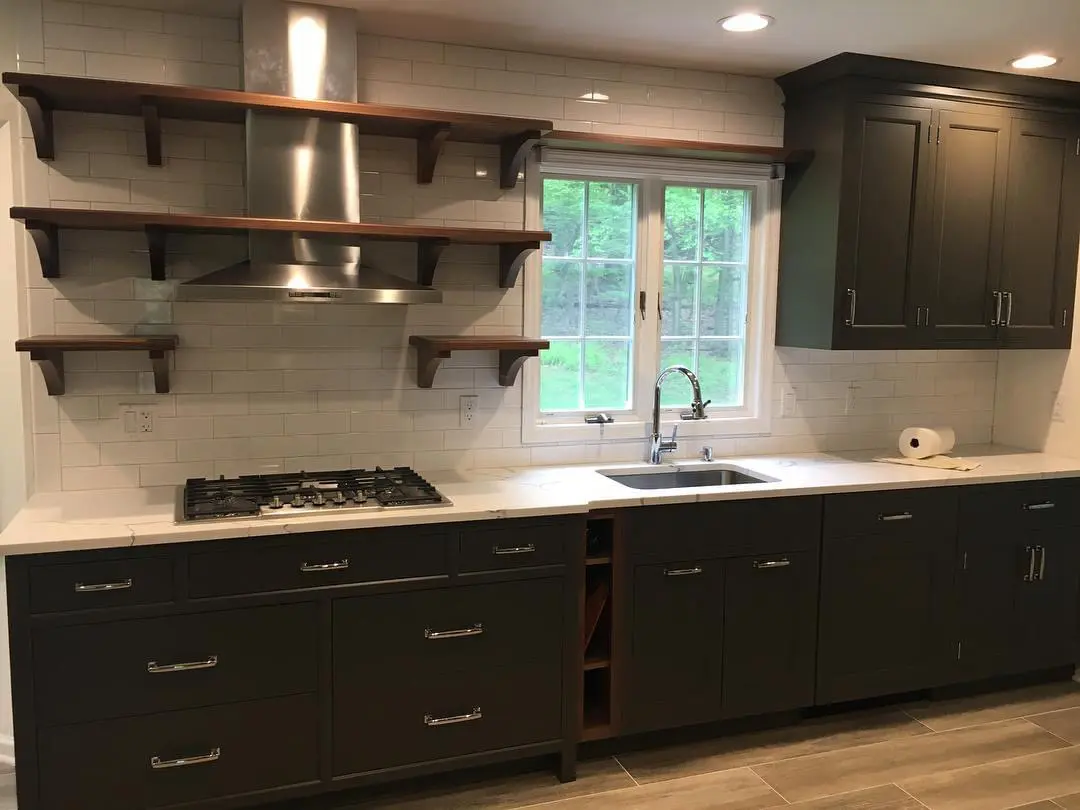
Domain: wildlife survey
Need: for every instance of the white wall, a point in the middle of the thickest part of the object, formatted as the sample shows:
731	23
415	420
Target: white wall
264	387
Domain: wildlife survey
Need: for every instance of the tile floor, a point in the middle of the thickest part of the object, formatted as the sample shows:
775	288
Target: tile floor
992	752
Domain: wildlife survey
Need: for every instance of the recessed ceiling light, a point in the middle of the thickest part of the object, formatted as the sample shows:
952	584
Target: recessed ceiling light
594	96
745	23
1034	61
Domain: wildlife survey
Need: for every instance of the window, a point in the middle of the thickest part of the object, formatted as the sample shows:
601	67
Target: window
652	263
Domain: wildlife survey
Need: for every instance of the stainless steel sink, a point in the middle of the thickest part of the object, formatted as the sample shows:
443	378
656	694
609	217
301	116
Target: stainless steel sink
680	479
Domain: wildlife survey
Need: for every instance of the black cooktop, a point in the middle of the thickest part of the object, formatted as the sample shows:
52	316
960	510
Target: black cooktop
253	495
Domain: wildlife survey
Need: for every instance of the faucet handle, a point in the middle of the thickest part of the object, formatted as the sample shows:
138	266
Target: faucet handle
674	433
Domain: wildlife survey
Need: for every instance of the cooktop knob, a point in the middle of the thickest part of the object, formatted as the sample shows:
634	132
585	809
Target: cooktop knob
319	499
340	498
275	503
297	501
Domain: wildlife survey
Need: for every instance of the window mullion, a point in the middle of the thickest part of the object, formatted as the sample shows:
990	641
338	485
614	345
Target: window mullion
581	296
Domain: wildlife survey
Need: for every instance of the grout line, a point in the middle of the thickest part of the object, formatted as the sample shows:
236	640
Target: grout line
770	787
632	779
1068	743
900	787
920	722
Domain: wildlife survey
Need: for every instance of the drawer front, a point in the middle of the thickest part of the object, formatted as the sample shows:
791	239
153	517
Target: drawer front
418	719
468	627
141	666
1034	505
168	759
658	534
312	561
515	546
892	512
109	583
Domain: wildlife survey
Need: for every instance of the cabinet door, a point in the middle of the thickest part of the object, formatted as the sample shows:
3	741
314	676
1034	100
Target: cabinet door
884	217
969	222
884	600
1048	615
676	645
770	633
1042	229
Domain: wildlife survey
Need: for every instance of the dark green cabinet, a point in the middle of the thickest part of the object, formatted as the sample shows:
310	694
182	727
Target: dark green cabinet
886	582
677	645
770	633
1042	229
1018	573
930	216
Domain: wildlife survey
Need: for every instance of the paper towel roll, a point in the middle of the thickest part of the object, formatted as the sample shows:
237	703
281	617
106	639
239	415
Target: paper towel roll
918	442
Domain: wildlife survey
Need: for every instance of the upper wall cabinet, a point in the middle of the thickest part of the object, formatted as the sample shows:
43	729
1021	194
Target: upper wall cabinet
941	210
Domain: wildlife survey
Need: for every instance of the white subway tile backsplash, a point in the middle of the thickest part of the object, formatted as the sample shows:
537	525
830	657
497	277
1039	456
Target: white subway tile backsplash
261	387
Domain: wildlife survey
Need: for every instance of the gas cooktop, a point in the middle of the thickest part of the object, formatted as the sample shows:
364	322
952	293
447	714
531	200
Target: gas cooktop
304	493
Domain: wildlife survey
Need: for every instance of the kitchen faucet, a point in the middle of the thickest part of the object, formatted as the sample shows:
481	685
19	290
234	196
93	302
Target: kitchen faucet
697	412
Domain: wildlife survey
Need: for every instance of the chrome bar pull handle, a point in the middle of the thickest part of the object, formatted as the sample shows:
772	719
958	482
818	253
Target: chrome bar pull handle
159	764
315	568
154	668
996	320
683	572
452	720
465	632
897	516
783	562
98	587
1042	561
1008	308
1038	507
528	548
852	303
1030	577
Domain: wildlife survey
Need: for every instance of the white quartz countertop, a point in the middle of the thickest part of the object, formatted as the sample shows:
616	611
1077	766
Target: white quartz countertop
71	521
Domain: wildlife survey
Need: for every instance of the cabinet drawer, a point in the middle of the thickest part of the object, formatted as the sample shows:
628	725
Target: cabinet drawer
1035	505
517	546
135	763
476	626
721	528
312	561
417	719
891	512
92	672
108	583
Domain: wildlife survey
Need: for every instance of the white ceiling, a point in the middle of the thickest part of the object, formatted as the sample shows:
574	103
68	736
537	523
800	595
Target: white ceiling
973	33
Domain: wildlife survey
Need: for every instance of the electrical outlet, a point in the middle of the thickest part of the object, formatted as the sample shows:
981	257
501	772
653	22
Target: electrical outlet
467	409
788	402
1058	413
145	421
849	401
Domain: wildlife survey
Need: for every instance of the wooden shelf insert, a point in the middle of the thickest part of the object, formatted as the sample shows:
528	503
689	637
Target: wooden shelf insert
41	95
45	224
48	352
431	350
666	147
600	559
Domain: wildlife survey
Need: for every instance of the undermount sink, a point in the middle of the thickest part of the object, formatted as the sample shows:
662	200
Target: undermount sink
680	479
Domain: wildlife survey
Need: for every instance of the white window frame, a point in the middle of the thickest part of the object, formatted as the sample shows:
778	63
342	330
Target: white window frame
653	173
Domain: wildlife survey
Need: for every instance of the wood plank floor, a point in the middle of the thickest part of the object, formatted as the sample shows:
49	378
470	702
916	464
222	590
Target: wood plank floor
995	752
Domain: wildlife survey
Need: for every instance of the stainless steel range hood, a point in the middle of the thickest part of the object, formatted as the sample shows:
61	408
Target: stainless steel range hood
302	168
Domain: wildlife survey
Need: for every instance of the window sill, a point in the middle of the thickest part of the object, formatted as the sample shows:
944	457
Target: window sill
638	430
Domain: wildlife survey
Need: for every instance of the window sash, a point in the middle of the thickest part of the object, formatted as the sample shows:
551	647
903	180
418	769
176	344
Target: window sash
760	251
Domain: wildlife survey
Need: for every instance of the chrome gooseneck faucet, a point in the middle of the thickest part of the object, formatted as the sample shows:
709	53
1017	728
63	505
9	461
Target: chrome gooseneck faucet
697	412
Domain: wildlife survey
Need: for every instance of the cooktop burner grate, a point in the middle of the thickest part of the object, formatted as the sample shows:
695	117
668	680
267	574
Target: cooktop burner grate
285	493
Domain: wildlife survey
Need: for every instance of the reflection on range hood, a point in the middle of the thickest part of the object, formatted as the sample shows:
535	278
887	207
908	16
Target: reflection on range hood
264	281
302	168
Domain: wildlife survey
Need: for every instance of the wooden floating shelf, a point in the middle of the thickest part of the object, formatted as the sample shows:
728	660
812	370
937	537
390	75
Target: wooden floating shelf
48	352
41	95
431	350
666	147
45	224
597	662
604	559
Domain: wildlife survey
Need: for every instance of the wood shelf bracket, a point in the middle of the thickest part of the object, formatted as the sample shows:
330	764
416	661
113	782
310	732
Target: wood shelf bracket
156	238
159	361
511	259
46	238
428	360
510	363
51	364
512	154
152	125
41	122
429	146
428	253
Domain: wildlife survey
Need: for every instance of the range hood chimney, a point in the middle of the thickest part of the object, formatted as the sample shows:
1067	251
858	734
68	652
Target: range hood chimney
302	168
